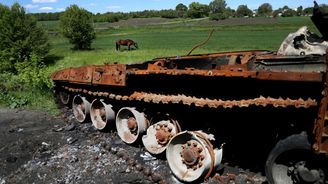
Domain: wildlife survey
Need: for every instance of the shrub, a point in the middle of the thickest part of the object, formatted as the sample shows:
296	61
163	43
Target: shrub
218	16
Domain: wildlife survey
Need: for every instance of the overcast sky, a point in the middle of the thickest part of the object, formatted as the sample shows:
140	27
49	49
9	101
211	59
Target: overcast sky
101	6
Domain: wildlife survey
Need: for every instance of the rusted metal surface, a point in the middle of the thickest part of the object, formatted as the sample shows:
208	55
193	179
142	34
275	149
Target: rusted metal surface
61	75
159	135
227	64
110	75
256	64
81	74
192	155
260	65
163	133
201	102
321	123
105	75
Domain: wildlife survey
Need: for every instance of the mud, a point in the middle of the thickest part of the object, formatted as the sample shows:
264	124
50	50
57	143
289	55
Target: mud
36	147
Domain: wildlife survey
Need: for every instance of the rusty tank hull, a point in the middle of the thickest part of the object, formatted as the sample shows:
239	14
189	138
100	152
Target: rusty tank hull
258	104
255	95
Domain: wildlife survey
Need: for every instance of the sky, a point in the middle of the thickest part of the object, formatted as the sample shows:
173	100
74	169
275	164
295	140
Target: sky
102	6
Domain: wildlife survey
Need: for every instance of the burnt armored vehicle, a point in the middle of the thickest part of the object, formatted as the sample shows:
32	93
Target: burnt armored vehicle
268	108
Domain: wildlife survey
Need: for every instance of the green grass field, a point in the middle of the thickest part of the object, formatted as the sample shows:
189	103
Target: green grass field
174	39
171	38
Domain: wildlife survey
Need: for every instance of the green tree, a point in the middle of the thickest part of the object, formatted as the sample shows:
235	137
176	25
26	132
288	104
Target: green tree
243	11
198	10
181	10
308	11
264	10
217	6
218	10
299	11
277	12
287	12
20	37
76	25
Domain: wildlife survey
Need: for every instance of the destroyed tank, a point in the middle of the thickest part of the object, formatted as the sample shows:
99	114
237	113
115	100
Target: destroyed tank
258	109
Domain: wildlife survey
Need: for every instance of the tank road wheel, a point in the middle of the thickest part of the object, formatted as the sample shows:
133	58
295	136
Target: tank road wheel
130	124
64	97
81	108
159	135
101	114
292	161
191	156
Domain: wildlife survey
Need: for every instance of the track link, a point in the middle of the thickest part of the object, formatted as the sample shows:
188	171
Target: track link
200	102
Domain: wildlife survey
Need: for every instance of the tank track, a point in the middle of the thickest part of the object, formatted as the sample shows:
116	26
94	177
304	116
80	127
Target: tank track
200	102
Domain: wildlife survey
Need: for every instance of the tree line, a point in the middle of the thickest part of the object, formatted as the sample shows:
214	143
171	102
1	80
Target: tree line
215	10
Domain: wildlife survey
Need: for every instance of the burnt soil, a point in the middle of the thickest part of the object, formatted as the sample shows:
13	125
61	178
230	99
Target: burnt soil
36	147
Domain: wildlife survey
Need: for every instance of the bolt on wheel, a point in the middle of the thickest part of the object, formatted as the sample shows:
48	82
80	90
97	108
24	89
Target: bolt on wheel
159	135
191	156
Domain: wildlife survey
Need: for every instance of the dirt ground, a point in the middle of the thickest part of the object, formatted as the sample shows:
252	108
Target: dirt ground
36	147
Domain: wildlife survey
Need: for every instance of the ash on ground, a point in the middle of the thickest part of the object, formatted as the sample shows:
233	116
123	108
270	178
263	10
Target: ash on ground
36	147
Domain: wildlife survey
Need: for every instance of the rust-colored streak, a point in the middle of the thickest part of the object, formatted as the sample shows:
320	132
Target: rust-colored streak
110	75
61	75
81	74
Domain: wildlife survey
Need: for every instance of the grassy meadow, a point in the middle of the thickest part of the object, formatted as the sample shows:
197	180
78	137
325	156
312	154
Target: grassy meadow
174	39
170	38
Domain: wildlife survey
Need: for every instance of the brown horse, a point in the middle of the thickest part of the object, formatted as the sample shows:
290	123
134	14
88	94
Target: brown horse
126	42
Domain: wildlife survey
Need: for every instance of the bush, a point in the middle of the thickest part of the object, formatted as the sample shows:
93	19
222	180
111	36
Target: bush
34	74
25	88
10	87
170	14
219	16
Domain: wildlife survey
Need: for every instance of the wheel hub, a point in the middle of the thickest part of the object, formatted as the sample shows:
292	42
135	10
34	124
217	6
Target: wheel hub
132	124
309	176
163	133
301	174
102	113
192	155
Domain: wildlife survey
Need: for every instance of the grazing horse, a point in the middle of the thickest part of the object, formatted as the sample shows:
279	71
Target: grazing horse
126	42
